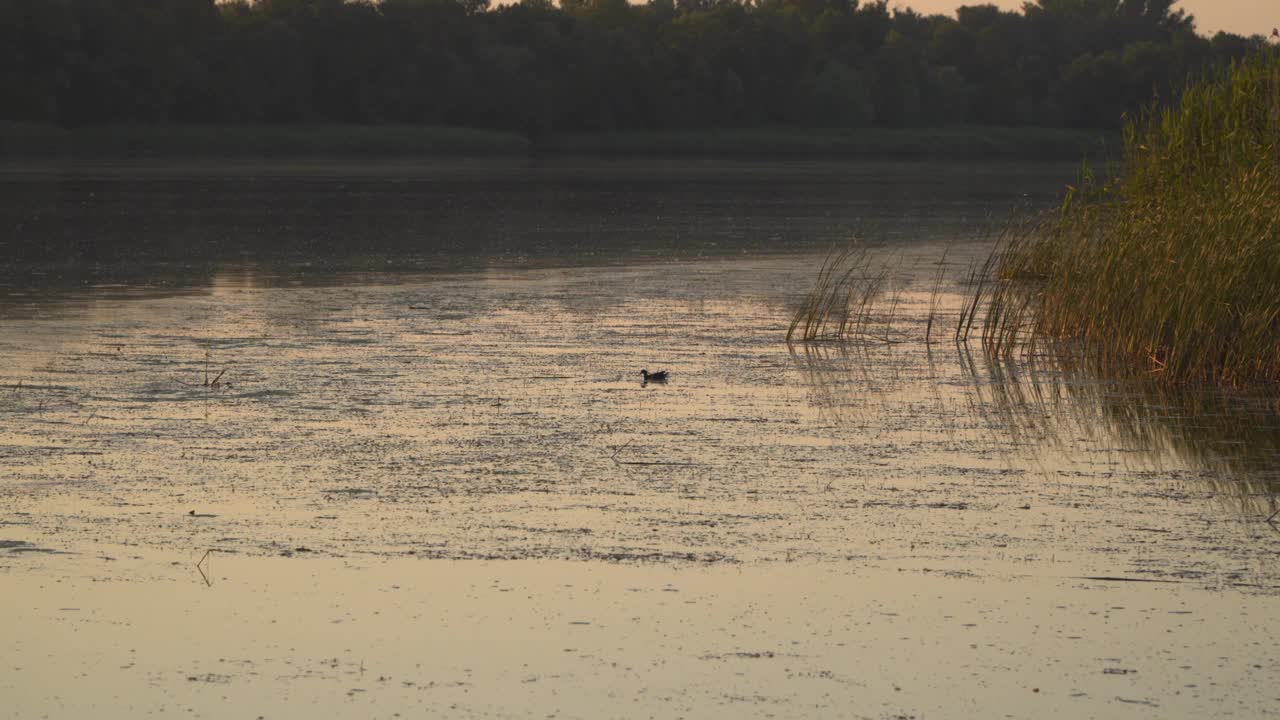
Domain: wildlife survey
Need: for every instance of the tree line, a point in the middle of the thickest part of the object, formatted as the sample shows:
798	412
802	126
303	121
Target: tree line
595	65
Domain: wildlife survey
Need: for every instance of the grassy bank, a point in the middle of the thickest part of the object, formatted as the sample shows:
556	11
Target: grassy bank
252	141
958	143
379	142
1171	268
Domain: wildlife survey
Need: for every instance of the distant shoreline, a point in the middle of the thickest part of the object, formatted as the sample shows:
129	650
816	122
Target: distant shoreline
40	143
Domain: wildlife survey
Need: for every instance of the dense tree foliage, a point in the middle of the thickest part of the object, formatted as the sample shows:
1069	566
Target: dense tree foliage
588	65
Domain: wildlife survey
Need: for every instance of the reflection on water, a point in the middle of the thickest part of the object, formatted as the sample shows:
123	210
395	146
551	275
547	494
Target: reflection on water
499	415
456	354
326	382
1047	414
165	230
1233	440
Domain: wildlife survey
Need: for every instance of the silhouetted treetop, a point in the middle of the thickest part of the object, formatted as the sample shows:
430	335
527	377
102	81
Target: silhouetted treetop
584	65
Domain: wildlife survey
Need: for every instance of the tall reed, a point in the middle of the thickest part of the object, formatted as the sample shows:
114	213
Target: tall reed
1172	266
841	306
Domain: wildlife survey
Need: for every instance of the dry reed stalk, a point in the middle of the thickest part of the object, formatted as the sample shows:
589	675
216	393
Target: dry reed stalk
935	294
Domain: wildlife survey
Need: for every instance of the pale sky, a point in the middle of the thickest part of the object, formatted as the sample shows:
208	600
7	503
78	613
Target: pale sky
1246	17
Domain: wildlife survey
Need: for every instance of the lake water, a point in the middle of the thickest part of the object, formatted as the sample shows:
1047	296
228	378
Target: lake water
375	440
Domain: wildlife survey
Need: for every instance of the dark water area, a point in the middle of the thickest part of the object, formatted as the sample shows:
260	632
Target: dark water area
177	227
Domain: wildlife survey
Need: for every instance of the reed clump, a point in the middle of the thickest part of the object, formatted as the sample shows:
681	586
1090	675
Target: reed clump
1172	266
839	306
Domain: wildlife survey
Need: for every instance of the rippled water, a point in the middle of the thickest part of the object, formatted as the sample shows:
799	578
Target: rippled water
445	364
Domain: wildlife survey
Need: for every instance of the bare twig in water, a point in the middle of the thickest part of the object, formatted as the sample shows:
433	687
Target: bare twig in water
1115	578
213	384
204	561
655	462
619	448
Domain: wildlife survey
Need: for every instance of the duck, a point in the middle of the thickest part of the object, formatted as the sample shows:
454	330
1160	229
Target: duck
658	377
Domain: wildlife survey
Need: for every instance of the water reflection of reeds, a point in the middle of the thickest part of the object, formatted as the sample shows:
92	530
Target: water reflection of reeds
1231	441
1044	408
846	381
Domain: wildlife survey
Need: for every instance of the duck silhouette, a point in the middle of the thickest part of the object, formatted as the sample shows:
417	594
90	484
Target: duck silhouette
654	377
